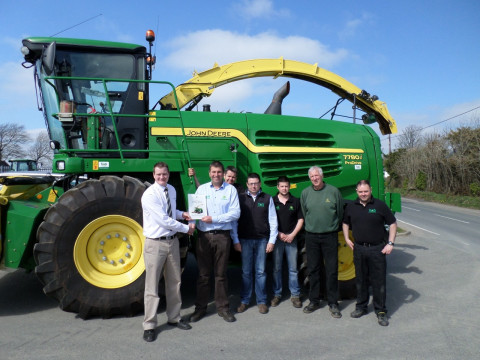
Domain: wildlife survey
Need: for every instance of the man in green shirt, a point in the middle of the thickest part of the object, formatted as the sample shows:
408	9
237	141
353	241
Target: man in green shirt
322	207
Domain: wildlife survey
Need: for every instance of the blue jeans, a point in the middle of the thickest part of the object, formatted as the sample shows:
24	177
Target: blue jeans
290	250
253	259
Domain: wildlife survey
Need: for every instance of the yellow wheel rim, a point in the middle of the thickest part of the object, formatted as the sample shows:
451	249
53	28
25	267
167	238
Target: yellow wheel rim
108	252
346	268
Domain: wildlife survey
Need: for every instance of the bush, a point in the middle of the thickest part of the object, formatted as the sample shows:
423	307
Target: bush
421	181
475	189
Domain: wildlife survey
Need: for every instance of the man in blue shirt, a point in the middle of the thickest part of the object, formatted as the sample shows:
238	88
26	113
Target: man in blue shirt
213	243
255	236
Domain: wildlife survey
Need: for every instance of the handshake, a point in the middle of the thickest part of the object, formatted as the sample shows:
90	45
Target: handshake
191	228
191	225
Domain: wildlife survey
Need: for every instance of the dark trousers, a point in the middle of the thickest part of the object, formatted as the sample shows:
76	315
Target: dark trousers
370	268
322	257
212	256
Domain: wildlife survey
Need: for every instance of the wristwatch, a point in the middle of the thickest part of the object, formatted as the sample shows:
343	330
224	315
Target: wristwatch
390	243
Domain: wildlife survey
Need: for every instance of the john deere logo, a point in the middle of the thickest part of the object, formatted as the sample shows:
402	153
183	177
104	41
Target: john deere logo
277	207
261	205
328	200
291	208
372	211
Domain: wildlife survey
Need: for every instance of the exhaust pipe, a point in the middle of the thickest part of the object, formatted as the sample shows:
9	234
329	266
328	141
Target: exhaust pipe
276	105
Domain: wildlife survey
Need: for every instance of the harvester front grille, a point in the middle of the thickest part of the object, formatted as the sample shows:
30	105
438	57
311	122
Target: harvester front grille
295	165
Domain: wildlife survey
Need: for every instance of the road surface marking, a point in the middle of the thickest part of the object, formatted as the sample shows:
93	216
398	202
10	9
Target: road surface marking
409	208
418	227
446	217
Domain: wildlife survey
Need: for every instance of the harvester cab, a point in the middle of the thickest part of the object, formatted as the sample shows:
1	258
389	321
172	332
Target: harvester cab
88	89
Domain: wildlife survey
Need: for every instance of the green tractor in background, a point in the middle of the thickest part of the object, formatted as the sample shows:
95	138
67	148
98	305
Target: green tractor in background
84	238
23	165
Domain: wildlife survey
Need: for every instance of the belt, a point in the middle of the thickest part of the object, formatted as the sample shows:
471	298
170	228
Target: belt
164	237
216	232
325	233
369	244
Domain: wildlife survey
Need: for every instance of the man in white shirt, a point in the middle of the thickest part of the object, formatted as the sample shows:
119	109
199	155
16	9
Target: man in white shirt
162	252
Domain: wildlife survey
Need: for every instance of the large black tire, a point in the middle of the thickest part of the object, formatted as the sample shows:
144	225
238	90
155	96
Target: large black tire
346	288
81	252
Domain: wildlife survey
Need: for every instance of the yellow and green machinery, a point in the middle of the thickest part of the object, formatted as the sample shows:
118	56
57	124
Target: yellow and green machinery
81	229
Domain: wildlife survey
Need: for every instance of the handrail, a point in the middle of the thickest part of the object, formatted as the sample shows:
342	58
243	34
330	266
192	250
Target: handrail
113	115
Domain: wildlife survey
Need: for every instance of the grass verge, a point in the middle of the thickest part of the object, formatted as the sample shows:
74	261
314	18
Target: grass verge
471	202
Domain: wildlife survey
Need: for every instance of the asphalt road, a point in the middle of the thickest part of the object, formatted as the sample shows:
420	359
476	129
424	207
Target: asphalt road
433	291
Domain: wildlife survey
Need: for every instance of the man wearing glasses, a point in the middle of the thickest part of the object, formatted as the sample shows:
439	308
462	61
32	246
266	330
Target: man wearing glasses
255	237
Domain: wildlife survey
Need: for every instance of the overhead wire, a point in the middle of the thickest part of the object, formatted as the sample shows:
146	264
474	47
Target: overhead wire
437	123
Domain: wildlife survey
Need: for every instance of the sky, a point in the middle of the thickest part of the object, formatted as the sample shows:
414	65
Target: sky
421	58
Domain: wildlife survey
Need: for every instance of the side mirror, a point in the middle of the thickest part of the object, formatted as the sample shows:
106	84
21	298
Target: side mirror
48	58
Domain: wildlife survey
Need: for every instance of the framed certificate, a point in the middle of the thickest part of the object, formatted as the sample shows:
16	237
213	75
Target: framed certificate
197	206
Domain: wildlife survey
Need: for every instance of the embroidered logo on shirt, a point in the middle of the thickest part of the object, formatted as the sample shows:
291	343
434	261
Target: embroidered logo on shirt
291	208
372	211
277	207
260	205
224	197
328	200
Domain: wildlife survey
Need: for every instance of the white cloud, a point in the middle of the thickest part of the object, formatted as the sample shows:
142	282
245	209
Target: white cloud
259	9
354	25
200	50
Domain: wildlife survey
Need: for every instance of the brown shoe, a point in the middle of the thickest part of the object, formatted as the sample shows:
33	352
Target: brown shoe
275	301
242	308
296	302
262	309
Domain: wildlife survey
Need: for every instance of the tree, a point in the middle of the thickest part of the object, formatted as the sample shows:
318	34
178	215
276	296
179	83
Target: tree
40	150
12	138
411	137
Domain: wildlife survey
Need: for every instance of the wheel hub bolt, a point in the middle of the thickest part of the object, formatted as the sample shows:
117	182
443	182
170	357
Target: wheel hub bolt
104	258
129	246
127	255
100	251
102	242
124	238
108	236
117	235
120	261
112	262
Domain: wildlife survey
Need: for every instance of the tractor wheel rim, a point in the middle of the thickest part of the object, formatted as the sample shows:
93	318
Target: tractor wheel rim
108	252
346	267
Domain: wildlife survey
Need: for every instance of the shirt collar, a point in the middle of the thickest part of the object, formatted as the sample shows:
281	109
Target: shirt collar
288	200
221	186
258	193
369	201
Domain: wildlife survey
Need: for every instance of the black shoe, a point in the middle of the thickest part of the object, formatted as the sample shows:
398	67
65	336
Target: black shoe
197	315
227	316
382	318
358	313
149	335
311	307
335	311
182	325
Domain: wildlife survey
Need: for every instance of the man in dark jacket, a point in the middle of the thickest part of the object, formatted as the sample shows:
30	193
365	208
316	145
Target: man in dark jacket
256	234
